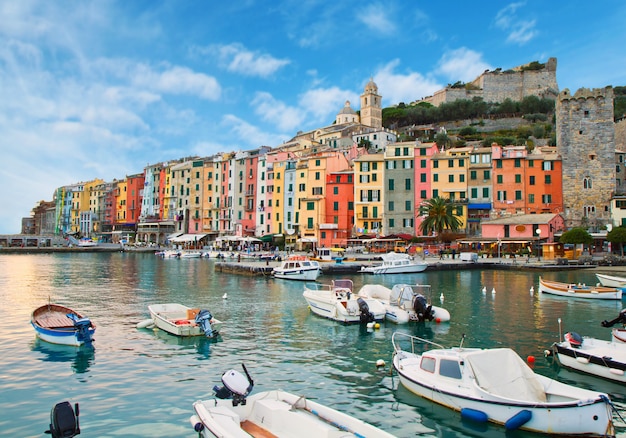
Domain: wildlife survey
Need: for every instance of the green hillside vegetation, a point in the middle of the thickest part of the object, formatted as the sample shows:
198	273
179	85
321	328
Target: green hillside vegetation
537	112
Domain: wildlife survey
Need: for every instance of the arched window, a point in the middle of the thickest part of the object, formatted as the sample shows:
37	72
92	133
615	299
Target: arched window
587	183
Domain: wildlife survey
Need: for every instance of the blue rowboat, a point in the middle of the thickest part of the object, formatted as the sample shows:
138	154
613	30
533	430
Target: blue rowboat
61	325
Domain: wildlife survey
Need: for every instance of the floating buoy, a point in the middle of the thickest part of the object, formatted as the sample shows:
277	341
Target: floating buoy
380	363
493	291
438	320
377	326
532	290
225	295
518	420
370	325
145	323
484	289
530	359
441	297
474	415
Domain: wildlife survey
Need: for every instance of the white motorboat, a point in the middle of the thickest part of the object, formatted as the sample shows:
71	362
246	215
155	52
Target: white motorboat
180	320
298	267
396	263
276	413
611	280
496	385
404	302
337	301
599	358
573	290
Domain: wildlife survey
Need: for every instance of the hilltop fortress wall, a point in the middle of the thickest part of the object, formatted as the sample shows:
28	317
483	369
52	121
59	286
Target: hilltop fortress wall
498	85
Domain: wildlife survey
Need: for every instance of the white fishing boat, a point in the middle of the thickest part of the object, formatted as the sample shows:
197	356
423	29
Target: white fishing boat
611	280
275	413
298	267
592	356
396	263
405	302
573	290
180	320
337	301
496	385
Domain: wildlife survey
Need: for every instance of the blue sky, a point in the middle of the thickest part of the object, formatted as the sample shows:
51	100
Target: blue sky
100	89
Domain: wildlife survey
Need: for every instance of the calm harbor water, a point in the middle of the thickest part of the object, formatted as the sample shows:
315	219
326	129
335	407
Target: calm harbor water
141	382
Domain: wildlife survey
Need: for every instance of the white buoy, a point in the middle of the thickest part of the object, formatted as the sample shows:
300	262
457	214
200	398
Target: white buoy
380	363
441	297
145	323
493	291
370	325
484	289
532	290
225	295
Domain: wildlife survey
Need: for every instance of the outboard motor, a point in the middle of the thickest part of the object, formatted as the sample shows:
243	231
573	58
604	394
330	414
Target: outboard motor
64	421
620	318
203	319
82	328
235	386
422	309
366	315
574	339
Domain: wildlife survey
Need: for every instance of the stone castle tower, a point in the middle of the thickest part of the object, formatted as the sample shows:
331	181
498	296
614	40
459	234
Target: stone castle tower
585	137
371	106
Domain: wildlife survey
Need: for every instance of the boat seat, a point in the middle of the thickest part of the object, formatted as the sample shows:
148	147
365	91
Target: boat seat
56	321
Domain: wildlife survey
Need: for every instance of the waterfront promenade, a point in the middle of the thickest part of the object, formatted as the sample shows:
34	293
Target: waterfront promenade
253	264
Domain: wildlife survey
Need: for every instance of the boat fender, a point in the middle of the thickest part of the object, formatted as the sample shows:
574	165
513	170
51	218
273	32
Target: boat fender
145	323
474	415
518	420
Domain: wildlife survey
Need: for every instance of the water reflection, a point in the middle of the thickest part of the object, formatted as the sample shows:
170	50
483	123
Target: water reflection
81	358
201	344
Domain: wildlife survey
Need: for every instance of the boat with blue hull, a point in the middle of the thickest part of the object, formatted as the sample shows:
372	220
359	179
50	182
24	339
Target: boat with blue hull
61	325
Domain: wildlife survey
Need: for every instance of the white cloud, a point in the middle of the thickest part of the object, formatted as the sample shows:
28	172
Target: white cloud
286	118
519	31
252	135
237	59
175	80
396	87
462	65
376	18
325	103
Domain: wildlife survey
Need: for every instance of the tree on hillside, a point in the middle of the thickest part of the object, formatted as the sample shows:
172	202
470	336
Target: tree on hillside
617	235
438	214
576	236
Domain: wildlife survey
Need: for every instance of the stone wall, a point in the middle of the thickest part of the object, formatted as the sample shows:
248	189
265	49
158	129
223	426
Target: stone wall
498	85
585	134
620	135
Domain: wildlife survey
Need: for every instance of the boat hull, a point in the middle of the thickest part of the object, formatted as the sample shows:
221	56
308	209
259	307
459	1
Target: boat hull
594	357
52	325
179	320
611	280
579	291
279	414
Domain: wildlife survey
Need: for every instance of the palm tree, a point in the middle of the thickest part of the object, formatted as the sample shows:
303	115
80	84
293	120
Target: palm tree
438	216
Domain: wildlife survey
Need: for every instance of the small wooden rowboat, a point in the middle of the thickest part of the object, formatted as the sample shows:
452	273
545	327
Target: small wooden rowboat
579	290
61	325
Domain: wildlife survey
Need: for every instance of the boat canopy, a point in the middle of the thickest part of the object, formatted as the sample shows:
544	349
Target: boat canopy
502	372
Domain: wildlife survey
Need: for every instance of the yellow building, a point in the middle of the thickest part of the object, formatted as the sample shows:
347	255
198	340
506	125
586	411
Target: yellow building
449	171
368	194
